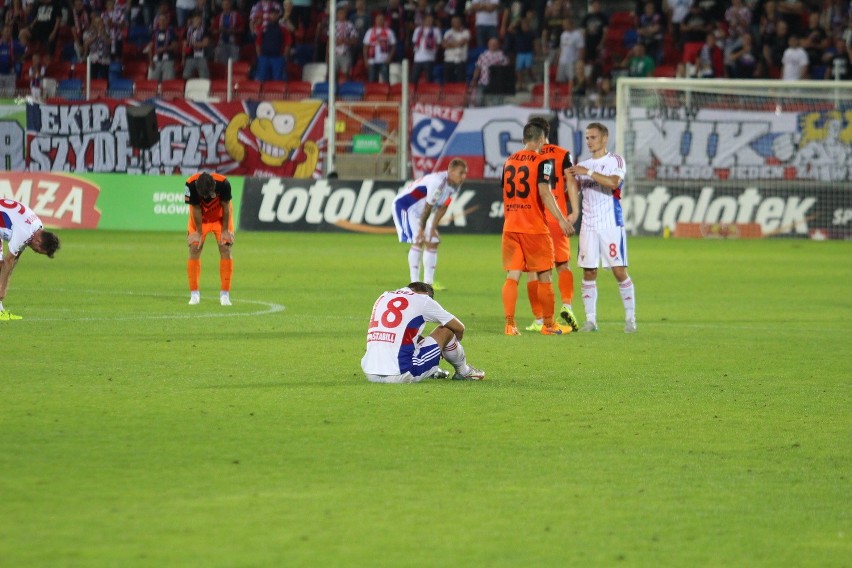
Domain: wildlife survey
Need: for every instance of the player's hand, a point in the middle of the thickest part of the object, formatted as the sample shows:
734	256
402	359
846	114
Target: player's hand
434	237
419	237
194	240
572	218
567	228
227	238
576	171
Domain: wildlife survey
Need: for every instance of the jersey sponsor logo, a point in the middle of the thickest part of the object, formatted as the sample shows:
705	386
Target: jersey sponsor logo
383	336
60	200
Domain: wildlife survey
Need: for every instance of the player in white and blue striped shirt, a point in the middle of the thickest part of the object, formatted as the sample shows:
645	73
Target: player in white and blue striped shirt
603	240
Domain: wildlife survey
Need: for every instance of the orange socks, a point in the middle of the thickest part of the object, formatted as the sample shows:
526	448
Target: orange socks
532	294
510	299
226	270
193	271
566	286
546	298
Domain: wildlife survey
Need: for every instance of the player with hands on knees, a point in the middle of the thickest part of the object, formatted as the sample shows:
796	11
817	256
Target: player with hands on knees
210	211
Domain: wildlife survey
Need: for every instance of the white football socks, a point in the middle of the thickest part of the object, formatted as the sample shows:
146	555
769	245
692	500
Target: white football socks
430	262
590	299
414	263
454	354
628	298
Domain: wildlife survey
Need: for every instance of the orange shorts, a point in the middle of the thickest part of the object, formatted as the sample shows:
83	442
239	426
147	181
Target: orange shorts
214	227
527	253
561	245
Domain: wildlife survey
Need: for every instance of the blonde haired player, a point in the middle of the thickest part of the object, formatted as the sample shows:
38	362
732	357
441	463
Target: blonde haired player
210	211
415	223
602	236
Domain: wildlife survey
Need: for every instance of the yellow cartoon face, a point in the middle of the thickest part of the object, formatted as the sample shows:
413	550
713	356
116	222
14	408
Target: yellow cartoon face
279	126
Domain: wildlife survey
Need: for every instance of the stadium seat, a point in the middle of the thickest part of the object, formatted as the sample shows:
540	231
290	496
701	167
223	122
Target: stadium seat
427	93
298	90
320	91
240	69
59	70
247	89
377	92
395	73
218	70
197	89
395	92
454	94
70	89
315	73
294	71
146	89
97	88
219	89
273	90
351	91
135	70
121	88
172	89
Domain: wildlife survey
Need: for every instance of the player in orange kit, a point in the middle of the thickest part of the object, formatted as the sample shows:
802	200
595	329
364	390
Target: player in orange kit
210	210
526	244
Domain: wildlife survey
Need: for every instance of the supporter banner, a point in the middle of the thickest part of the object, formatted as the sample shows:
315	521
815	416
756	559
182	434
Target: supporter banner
484	137
360	206
268	139
13	130
105	201
711	144
652	208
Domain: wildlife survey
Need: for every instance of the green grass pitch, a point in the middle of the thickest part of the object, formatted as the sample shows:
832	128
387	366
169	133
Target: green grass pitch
138	431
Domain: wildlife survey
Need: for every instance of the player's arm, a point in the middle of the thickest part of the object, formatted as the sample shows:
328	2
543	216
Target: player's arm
7	265
196	237
439	214
424	220
456	327
225	199
545	176
572	190
610	182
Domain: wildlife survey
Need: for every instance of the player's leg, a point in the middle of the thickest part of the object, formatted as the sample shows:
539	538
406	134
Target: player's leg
453	352
513	264
193	264
617	260
539	257
565	278
535	305
427	358
430	257
589	260
406	230
226	262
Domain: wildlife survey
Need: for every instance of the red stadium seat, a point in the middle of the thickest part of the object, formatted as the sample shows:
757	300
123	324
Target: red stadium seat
171	89
247	89
454	94
146	88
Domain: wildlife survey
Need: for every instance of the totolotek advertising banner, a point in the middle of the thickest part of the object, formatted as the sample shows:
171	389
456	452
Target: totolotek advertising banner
367	206
269	139
364	206
106	201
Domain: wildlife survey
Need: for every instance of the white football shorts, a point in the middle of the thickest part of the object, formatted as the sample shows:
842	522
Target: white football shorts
602	247
408	222
425	361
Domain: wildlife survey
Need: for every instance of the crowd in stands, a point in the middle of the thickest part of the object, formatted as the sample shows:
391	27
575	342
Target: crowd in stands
448	42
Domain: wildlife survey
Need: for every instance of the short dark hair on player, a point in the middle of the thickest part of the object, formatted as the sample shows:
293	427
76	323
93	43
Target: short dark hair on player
541	122
205	183
599	127
533	132
49	243
422	288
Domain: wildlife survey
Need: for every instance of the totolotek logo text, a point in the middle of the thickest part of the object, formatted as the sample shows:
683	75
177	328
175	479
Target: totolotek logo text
651	208
366	206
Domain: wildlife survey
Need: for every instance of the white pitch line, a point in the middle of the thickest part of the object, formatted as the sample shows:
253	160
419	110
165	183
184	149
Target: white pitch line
271	308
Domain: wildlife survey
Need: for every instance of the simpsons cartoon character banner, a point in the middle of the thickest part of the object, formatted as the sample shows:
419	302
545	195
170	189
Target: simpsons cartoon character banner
262	139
